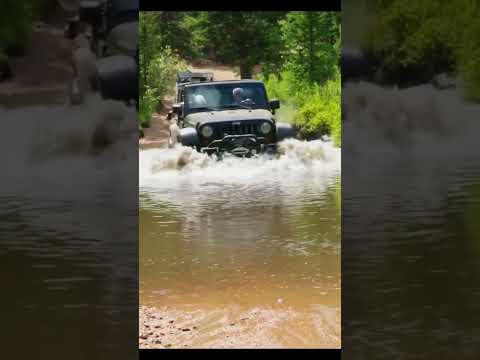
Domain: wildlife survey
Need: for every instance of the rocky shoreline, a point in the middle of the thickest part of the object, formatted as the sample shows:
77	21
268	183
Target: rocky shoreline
164	328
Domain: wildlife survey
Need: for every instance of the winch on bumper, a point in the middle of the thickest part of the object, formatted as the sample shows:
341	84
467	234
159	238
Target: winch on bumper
239	145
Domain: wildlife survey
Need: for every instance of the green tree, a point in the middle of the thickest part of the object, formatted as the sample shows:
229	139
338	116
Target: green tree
16	18
243	39
425	38
158	64
174	32
312	44
150	44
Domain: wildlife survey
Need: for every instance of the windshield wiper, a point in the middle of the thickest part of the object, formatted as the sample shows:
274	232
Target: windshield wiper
239	105
204	108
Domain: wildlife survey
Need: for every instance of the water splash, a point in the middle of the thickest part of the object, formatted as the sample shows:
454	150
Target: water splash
401	115
195	183
412	147
314	156
45	141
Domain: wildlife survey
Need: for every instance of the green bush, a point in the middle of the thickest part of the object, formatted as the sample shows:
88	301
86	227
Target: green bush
318	107
162	71
469	61
160	79
428	37
277	88
319	111
147	106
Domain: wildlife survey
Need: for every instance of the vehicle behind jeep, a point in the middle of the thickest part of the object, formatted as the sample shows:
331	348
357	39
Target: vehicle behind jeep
213	120
185	78
114	42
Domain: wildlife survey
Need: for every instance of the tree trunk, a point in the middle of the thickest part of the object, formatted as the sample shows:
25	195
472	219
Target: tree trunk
311	51
245	71
5	69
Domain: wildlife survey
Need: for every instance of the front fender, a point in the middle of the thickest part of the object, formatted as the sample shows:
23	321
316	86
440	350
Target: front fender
188	137
285	131
117	77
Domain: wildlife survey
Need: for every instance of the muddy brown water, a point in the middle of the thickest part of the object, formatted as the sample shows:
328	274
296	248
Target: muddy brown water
68	264
410	240
243	234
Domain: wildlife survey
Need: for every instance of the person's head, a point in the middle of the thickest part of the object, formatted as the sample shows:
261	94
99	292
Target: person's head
199	100
238	94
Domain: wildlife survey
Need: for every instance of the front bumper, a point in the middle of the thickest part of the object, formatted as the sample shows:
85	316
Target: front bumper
239	145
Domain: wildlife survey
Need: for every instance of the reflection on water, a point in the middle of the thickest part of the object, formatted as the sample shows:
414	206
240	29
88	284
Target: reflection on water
240	232
68	233
410	244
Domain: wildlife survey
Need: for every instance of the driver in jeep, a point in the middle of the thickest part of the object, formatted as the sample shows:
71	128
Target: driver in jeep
239	97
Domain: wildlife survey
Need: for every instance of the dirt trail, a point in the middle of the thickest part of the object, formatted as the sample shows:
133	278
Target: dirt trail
41	76
220	72
157	134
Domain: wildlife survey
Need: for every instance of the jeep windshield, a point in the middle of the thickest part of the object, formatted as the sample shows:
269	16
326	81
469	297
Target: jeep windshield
216	97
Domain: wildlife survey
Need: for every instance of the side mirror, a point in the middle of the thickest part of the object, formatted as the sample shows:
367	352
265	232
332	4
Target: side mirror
177	108
117	78
274	104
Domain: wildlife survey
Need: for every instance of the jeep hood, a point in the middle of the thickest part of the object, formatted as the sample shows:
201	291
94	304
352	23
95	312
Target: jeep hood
228	115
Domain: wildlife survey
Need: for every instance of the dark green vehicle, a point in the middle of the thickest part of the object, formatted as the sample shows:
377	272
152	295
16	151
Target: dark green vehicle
227	116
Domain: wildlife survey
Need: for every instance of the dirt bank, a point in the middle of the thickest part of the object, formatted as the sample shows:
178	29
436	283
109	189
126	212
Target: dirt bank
42	74
157	134
239	328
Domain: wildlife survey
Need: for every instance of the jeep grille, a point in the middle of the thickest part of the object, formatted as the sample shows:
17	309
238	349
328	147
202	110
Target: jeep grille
237	128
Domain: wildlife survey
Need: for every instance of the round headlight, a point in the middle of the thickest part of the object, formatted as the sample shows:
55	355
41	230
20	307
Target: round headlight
207	131
265	128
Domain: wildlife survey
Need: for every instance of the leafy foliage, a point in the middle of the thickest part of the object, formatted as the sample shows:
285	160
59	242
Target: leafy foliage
320	112
16	18
425	38
147	106
244	39
318	106
298	53
311	40
158	65
310	78
468	59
